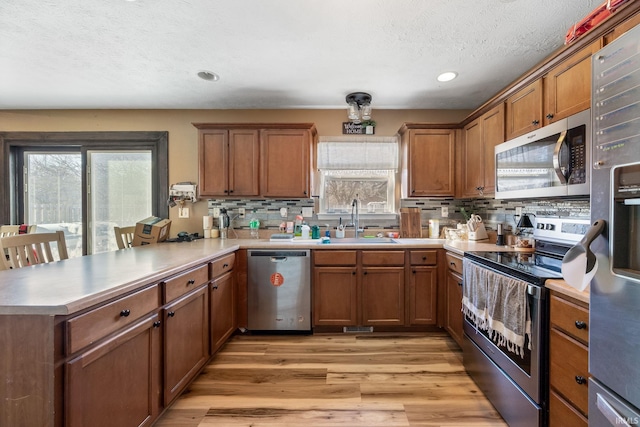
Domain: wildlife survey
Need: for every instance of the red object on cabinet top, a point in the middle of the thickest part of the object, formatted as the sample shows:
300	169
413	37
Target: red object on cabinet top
593	19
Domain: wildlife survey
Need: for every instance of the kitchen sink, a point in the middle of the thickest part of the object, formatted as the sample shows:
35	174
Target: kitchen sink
362	240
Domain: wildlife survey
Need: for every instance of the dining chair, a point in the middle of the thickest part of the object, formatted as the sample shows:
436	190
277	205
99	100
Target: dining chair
12	230
124	236
23	250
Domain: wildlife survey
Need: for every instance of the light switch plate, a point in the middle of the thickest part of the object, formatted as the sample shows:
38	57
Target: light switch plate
445	211
307	212
216	212
183	212
284	212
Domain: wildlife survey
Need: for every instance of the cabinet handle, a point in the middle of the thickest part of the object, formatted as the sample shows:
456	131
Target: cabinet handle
580	324
459	283
535	122
580	379
424	258
214	287
225	265
156	324
452	263
191	281
125	313
365	273
413	271
304	192
171	314
413	191
549	116
353	273
230	191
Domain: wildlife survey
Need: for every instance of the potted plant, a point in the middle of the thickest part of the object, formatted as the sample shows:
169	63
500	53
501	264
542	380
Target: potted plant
369	126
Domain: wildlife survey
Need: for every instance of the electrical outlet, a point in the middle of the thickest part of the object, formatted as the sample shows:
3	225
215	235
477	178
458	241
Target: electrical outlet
216	212
445	212
518	210
241	212
183	213
307	212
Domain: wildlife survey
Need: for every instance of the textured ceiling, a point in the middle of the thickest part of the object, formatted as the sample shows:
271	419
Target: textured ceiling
271	53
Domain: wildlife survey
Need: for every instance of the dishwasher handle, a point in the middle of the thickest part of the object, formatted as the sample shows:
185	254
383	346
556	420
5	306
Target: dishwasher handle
278	259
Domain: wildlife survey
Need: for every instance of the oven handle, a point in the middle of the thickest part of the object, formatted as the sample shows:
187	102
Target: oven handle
534	291
556	158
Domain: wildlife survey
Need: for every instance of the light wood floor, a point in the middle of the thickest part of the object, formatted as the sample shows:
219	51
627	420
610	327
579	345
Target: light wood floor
345	380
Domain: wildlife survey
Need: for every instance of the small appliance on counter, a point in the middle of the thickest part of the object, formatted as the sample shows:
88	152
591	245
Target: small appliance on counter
223	223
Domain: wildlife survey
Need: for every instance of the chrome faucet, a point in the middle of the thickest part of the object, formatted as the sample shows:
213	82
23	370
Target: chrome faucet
355	219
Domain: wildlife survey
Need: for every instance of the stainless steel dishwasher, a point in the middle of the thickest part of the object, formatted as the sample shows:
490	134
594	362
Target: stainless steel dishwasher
279	294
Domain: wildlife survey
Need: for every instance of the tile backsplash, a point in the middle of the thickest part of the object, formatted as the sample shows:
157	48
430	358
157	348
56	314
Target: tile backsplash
492	211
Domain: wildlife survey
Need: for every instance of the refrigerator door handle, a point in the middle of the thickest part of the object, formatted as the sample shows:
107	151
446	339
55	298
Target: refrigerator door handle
610	413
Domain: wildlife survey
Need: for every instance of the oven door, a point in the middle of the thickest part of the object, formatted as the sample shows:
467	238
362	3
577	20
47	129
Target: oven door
528	371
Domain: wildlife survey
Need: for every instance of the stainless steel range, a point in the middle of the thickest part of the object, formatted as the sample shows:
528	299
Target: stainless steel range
506	320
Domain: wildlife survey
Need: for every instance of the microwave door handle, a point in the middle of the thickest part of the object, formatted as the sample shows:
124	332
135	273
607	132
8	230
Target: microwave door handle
556	157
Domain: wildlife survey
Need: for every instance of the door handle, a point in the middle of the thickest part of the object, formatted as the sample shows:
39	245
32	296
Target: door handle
557	167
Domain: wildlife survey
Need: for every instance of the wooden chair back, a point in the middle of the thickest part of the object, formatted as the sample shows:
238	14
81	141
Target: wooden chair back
23	250
12	230
124	236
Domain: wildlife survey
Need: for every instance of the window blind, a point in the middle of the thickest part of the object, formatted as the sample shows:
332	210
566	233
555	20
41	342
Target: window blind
361	153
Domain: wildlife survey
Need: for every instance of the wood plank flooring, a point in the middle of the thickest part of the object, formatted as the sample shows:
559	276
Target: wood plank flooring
326	380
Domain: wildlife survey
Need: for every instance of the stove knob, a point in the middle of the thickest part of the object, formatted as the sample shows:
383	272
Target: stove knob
540	226
549	227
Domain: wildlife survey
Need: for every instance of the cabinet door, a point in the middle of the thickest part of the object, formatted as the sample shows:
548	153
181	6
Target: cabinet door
473	159
453	322
244	162
116	383
335	296
524	110
186	342
223	313
431	157
284	161
492	135
423	295
213	169
383	296
567	87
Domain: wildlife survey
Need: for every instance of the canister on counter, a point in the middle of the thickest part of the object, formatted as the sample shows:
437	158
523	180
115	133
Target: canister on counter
434	228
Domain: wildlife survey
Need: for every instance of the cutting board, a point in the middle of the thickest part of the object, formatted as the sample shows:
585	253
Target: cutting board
410	225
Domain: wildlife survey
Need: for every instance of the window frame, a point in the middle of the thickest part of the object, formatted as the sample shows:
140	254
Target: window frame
14	144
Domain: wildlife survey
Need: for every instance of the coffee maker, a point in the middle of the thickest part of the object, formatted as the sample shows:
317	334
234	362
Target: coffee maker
223	223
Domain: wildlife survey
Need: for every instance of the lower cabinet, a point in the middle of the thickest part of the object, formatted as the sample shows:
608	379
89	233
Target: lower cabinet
423	287
382	296
454	317
186	340
117	383
335	295
223	319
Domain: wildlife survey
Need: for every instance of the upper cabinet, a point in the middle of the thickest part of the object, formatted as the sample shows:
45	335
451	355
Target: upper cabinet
428	160
479	139
524	110
249	159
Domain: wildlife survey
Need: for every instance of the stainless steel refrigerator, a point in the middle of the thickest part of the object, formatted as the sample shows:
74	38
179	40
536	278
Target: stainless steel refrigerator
614	334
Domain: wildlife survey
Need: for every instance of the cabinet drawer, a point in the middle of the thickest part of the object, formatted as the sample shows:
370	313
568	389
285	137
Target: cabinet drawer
569	371
100	322
330	257
570	318
561	413
378	258
185	282
221	265
454	262
423	257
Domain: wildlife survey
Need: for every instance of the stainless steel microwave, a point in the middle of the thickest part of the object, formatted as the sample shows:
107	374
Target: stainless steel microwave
553	161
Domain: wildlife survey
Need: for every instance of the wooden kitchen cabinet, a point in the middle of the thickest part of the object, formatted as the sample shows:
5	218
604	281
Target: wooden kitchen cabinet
285	162
621	29
247	159
568	361
117	382
454	316
222	297
186	340
335	291
428	160
524	110
422	300
228	162
567	86
382	297
479	139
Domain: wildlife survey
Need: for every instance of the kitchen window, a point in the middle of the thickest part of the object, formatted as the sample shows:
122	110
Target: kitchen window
83	183
358	167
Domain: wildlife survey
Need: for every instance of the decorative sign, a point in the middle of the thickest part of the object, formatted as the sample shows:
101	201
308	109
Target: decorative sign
277	279
350	128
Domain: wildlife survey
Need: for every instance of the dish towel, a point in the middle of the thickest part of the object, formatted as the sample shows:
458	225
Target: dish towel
474	294
508	317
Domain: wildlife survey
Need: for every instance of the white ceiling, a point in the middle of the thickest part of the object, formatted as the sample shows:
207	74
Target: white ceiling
271	53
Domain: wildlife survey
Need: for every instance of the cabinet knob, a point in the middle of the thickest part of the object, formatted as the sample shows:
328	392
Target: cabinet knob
580	379
580	324
125	313
353	273
535	122
452	263
214	287
459	283
156	324
225	265
424	258
365	273
413	271
230	191
549	116
413	191
171	314
191	282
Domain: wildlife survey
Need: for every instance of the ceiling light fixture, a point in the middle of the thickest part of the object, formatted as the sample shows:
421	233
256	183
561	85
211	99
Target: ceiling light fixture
447	76
359	106
209	76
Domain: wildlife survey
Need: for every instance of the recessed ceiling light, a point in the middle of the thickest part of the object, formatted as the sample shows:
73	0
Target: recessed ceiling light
208	75
448	76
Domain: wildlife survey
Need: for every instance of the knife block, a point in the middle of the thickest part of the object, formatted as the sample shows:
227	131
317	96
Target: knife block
479	234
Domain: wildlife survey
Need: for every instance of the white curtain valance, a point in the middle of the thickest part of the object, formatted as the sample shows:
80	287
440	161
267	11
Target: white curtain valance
358	152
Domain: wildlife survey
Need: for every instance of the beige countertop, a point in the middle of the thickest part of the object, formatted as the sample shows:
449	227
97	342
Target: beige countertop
564	288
